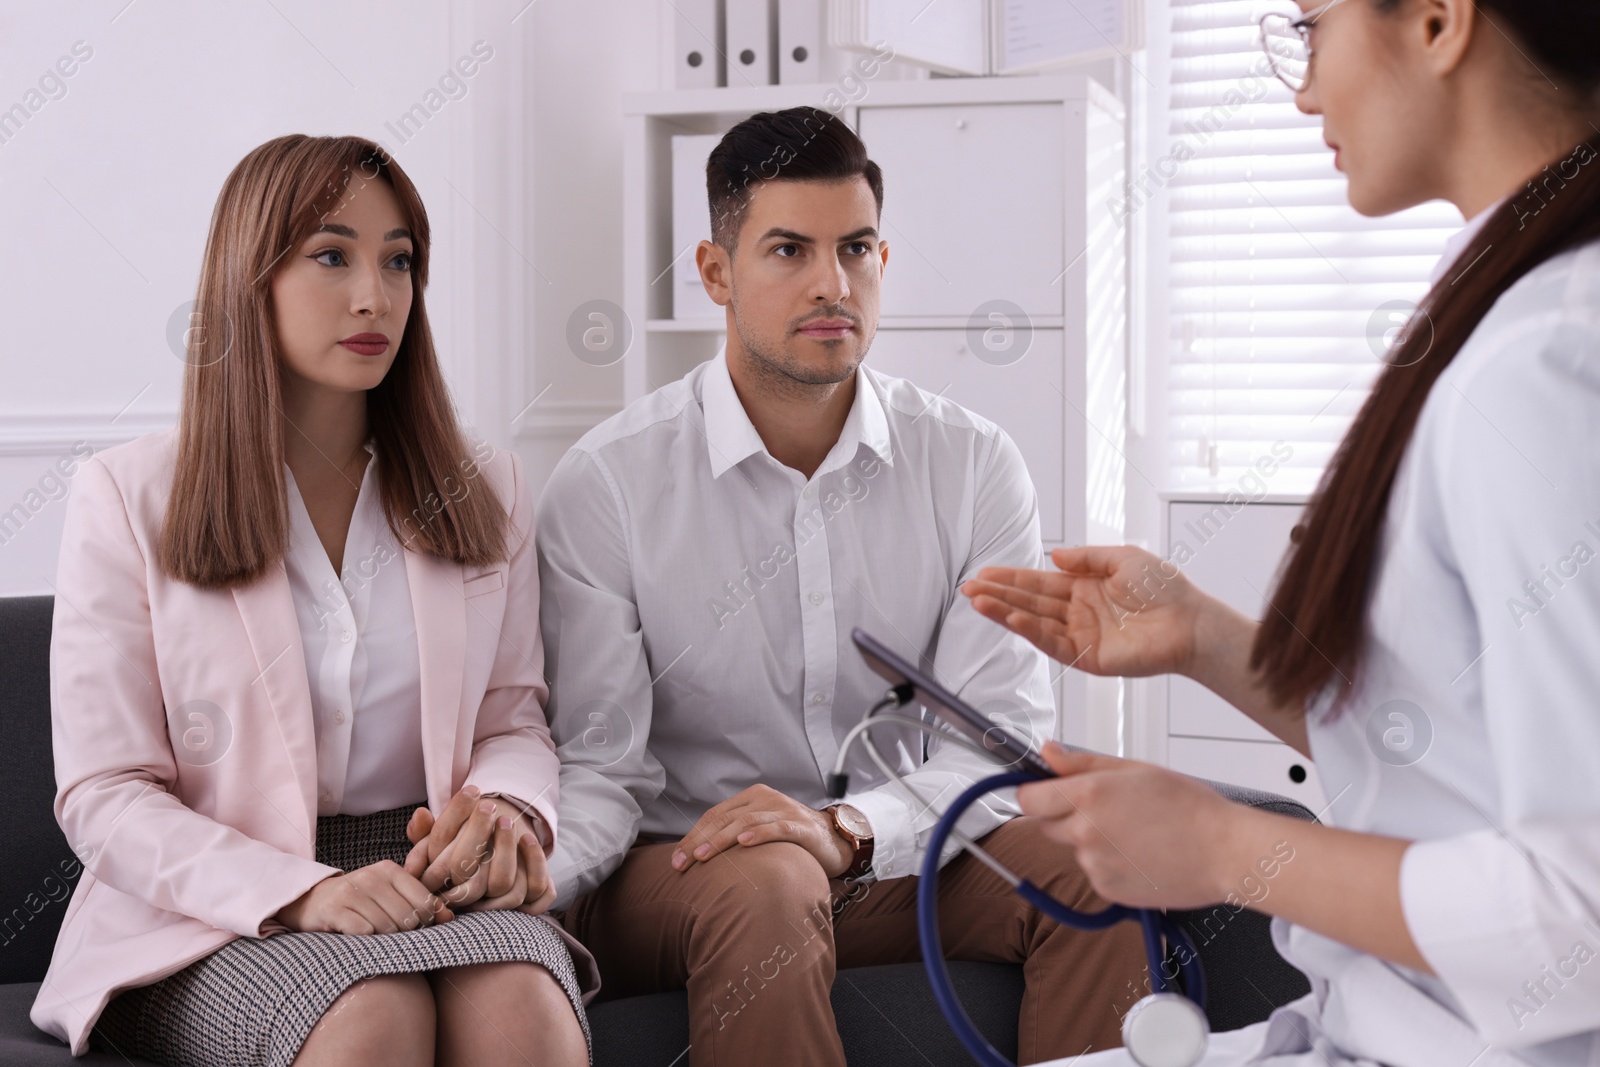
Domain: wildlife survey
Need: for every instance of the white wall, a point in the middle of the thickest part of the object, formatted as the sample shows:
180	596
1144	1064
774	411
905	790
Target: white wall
108	177
586	56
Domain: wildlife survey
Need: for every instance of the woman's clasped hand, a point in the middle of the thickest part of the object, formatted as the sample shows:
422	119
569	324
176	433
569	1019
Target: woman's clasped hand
481	853
474	857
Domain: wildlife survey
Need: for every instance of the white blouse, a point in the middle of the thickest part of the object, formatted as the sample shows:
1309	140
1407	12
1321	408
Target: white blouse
360	640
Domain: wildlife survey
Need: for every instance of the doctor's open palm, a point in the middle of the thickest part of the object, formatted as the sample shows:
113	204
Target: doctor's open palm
1118	611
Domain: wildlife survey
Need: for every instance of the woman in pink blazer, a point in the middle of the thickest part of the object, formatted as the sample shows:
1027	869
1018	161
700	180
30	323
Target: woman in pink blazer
296	677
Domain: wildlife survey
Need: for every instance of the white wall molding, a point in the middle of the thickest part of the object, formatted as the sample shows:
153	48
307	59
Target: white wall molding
555	419
36	434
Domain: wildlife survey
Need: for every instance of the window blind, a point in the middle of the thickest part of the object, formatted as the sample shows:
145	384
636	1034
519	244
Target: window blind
1282	298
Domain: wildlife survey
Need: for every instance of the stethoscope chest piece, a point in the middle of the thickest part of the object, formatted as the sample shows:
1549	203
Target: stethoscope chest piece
1165	1030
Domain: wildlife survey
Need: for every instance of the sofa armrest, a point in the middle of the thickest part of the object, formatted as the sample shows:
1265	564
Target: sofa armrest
1256	798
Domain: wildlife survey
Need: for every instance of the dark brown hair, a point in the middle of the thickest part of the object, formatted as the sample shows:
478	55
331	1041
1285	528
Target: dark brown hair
1316	621
800	144
227	519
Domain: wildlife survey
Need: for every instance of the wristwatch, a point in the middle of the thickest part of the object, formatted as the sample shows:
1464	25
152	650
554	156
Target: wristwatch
850	824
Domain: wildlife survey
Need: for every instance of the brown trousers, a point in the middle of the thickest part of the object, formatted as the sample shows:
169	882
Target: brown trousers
756	934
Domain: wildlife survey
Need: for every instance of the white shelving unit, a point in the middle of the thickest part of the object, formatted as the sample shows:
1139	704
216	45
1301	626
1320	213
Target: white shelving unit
1233	555
995	189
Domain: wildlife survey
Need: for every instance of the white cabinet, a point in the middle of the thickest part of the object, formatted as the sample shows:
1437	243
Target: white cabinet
1232	550
973	206
1235	556
1024	397
1270	766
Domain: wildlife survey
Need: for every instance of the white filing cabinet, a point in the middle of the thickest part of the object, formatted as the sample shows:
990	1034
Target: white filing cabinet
997	192
1024	397
1233	552
973	205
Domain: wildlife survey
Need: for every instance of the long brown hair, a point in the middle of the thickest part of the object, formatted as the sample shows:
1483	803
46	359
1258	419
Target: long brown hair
227	520
1316	622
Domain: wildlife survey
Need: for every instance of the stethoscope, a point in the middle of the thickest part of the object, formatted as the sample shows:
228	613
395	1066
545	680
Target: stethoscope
1164	1029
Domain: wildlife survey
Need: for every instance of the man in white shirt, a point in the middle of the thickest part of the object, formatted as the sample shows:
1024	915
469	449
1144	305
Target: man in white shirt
703	557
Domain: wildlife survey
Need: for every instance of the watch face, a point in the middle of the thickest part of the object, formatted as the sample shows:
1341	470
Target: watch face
853	821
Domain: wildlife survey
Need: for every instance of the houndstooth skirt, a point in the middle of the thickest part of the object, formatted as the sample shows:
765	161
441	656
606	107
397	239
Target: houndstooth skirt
253	1002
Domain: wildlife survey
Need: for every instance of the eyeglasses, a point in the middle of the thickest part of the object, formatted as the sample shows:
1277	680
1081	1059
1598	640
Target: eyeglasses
1287	42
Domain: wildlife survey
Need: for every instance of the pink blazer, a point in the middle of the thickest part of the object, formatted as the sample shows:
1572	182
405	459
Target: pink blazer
190	839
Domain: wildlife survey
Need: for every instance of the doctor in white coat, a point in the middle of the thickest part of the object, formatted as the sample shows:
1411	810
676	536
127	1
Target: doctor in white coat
1433	639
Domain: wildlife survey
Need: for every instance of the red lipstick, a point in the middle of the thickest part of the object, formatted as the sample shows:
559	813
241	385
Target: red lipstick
366	344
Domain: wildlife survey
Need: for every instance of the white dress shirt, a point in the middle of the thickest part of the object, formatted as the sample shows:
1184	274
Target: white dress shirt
1474	727
359	635
698	597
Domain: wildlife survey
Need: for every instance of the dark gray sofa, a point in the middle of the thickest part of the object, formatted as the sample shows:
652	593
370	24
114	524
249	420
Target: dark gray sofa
886	1014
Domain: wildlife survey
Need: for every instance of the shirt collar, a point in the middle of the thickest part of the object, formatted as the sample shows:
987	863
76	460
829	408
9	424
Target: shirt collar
731	437
1458	241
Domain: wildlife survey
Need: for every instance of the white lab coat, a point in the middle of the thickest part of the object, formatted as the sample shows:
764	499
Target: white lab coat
1474	729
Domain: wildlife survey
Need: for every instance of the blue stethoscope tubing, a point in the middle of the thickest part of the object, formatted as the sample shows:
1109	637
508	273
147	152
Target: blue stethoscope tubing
1155	925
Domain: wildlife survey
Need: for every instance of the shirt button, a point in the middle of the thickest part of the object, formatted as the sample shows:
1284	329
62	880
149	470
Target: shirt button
817	698
344	635
328	797
808	492
338	716
816	598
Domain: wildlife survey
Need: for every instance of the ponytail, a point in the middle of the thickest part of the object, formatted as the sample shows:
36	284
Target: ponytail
1317	619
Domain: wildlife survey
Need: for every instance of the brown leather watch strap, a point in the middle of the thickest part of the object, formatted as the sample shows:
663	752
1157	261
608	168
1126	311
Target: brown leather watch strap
861	859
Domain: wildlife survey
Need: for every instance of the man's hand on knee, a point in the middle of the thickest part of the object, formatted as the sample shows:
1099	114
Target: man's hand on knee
760	815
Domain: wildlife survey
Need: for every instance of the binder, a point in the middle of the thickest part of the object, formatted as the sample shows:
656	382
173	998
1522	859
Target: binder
691	224
697	39
752	44
799	41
